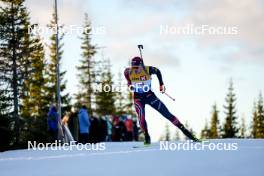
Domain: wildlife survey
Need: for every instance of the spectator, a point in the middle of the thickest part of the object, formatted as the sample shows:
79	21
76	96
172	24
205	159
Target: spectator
119	129
129	128
84	124
65	126
102	129
94	130
123	127
109	129
65	119
135	129
74	124
53	118
116	134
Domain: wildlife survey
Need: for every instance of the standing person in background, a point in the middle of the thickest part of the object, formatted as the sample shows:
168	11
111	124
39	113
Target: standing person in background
84	124
135	129
109	129
65	119
116	129
102	129
74	124
123	129
53	119
65	126
129	128
94	130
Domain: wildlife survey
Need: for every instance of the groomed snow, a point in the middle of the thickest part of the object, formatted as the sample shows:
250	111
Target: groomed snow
123	159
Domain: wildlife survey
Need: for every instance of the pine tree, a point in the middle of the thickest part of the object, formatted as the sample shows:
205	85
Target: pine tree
120	103
260	118
31	44
51	71
230	128
14	50
167	132
243	128
254	125
205	133
5	119
129	103
86	68
214	123
35	103
27	69
105	99
176	135
166	136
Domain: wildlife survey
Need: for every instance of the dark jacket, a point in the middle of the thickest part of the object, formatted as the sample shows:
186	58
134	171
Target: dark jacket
53	118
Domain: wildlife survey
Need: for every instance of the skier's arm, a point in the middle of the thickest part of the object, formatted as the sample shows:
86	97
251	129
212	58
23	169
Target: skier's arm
154	70
126	73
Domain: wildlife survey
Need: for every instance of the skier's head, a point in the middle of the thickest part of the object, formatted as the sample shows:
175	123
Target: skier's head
53	108
137	61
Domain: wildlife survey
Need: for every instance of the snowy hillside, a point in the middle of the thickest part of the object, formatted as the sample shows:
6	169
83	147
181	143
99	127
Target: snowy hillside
123	159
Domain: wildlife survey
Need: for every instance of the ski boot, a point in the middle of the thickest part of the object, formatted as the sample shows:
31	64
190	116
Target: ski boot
147	139
188	134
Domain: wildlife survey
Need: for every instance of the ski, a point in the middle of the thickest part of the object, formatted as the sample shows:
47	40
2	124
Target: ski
142	146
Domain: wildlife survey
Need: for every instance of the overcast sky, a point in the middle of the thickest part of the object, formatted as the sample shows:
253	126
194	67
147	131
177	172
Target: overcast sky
196	68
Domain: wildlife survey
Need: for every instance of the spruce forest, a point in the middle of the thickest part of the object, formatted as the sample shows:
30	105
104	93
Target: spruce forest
28	85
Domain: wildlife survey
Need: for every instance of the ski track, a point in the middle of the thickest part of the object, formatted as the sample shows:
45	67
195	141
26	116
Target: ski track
152	148
120	158
98	154
75	155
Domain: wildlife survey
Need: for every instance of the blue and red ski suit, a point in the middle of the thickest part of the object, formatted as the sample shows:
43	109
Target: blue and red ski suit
141	98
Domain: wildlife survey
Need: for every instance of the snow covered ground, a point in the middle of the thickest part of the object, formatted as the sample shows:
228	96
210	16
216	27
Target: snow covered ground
123	159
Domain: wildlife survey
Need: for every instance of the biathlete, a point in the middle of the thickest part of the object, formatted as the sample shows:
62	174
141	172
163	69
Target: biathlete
138	77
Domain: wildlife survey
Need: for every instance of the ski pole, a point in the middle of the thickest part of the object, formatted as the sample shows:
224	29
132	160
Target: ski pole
140	47
169	96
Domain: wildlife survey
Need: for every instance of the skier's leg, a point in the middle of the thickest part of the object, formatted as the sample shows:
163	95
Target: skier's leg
187	133
140	109
157	104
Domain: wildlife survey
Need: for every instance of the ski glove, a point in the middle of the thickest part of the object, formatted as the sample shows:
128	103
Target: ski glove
162	89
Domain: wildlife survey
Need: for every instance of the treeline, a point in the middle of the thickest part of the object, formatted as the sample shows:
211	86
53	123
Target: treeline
233	126
28	79
28	84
